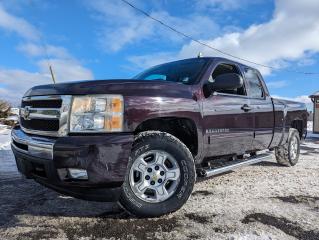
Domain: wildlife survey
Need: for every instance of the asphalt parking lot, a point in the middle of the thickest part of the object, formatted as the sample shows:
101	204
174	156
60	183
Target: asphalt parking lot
263	201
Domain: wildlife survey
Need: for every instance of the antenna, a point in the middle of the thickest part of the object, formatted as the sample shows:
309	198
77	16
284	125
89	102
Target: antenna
48	61
52	74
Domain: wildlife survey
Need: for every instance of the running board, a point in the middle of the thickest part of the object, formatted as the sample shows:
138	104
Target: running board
235	164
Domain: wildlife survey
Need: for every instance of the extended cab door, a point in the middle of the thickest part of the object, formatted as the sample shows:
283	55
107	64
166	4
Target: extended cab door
262	107
228	124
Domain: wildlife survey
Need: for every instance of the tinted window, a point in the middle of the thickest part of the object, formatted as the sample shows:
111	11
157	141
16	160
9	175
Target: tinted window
228	68
184	71
255	87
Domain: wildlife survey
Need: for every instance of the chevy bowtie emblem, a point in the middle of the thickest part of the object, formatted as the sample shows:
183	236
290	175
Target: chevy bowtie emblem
25	112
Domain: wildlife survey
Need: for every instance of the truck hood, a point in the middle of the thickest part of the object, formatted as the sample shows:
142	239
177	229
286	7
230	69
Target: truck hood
125	87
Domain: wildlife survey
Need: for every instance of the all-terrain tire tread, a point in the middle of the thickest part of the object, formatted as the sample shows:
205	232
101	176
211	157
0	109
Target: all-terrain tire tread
143	138
282	152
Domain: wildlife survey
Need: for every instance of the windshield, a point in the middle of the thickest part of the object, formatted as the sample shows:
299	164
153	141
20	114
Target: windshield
184	71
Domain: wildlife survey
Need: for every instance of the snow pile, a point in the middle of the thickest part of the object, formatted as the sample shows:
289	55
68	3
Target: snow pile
310	129
5	138
15	111
14	118
8	169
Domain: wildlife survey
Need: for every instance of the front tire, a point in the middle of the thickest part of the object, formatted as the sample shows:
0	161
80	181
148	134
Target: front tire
288	154
160	176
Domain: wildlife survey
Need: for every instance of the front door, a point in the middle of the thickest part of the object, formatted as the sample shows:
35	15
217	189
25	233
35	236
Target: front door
228	121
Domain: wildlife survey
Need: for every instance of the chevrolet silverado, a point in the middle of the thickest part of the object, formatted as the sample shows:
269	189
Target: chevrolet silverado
142	142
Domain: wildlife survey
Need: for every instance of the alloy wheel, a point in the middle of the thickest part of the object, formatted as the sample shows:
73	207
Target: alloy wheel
154	176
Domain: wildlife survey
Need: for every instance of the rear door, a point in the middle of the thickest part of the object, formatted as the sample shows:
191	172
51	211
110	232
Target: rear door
262	107
228	126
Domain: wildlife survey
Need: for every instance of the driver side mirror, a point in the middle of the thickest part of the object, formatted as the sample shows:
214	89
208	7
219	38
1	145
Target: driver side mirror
227	81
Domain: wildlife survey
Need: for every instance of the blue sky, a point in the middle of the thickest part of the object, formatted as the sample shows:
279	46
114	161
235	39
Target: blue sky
107	39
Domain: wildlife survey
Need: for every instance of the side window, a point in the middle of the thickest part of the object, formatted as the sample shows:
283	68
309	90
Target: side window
228	68
254	84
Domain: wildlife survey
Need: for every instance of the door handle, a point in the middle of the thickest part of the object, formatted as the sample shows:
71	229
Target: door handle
246	108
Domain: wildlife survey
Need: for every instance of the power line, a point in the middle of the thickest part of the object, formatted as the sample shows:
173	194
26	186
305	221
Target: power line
209	46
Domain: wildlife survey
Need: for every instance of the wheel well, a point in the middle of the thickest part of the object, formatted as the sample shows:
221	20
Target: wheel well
182	128
298	124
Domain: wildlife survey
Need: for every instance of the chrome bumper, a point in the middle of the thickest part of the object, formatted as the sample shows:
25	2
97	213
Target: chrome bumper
33	146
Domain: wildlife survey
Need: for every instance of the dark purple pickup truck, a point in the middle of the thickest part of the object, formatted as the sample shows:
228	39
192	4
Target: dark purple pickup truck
143	141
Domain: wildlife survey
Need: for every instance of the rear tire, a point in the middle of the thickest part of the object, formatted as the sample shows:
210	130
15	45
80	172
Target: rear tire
288	154
160	175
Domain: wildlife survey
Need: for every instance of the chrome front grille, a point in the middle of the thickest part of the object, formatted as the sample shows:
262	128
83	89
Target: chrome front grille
45	115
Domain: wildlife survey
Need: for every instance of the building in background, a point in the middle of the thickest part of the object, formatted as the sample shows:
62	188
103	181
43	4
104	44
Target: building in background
315	99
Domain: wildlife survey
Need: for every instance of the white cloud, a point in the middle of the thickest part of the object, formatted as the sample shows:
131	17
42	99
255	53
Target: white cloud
308	61
222	4
66	69
133	27
305	99
146	61
15	82
277	84
35	50
17	25
292	32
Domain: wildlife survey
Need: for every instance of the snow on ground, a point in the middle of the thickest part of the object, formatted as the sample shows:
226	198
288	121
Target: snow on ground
8	167
309	126
3	126
15	111
262	201
310	133
5	138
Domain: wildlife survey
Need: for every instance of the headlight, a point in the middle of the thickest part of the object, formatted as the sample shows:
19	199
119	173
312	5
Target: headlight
97	113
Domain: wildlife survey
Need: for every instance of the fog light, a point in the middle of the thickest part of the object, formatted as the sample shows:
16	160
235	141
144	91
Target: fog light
76	173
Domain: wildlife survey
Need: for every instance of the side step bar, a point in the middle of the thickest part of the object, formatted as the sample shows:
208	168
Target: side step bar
235	164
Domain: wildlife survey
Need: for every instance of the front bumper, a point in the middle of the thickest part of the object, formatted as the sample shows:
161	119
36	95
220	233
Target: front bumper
104	157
